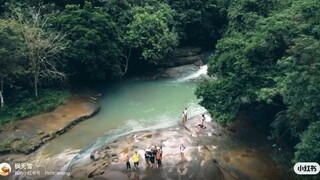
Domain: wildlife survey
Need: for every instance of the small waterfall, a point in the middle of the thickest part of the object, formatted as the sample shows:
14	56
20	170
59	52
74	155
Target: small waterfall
202	71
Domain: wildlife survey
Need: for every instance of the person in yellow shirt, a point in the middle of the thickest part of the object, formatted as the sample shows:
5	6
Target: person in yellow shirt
135	159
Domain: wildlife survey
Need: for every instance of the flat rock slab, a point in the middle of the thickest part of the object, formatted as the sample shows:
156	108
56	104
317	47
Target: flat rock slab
37	130
211	153
194	165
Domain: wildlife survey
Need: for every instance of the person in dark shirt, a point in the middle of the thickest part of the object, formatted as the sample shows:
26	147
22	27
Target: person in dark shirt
147	156
152	157
127	160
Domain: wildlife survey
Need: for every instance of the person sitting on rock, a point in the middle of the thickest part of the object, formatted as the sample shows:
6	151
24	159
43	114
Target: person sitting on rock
136	159
202	120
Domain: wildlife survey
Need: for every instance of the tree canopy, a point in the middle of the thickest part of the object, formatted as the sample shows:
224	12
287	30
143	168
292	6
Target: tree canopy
269	51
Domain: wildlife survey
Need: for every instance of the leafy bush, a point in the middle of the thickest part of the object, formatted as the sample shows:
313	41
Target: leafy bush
308	150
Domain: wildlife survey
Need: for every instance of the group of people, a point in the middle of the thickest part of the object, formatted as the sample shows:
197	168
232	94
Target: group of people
153	157
153	154
185	117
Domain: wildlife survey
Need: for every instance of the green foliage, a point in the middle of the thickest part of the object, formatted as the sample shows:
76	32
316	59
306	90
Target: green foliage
308	150
11	51
26	107
95	49
220	98
269	51
200	21
6	143
150	31
299	84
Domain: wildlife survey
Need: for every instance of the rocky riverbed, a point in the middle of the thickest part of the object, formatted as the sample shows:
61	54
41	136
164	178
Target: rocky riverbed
237	151
211	153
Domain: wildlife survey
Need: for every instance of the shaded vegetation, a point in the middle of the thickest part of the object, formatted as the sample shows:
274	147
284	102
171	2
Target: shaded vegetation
270	55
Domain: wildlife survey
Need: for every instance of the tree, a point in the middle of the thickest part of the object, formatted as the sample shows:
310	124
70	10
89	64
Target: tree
308	150
96	45
11	55
150	31
269	56
44	47
299	84
200	22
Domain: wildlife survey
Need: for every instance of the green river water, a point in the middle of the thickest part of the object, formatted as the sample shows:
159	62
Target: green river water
130	106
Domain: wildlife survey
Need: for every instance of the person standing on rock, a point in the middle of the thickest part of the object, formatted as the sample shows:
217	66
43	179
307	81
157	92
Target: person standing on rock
184	116
202	120
185	112
128	162
147	156
182	148
158	157
136	159
152	157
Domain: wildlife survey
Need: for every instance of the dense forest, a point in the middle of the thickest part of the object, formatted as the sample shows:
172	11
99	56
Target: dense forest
266	55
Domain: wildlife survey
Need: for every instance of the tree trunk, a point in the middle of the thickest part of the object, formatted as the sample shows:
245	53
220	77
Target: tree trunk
36	85
127	61
1	95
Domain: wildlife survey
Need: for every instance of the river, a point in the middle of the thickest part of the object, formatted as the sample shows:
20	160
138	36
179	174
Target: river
128	106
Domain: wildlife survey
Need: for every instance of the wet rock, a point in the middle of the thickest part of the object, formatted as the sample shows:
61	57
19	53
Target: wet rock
115	160
95	155
5	150
179	71
182	56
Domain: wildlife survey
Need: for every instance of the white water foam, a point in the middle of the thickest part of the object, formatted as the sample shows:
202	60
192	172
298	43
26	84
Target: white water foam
202	71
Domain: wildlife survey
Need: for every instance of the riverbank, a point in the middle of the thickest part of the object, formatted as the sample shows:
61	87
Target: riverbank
26	136
211	153
237	151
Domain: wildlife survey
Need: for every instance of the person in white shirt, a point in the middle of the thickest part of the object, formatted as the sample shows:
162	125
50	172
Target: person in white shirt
182	148
185	115
202	120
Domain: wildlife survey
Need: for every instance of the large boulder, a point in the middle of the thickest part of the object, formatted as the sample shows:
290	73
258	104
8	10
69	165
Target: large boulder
183	56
